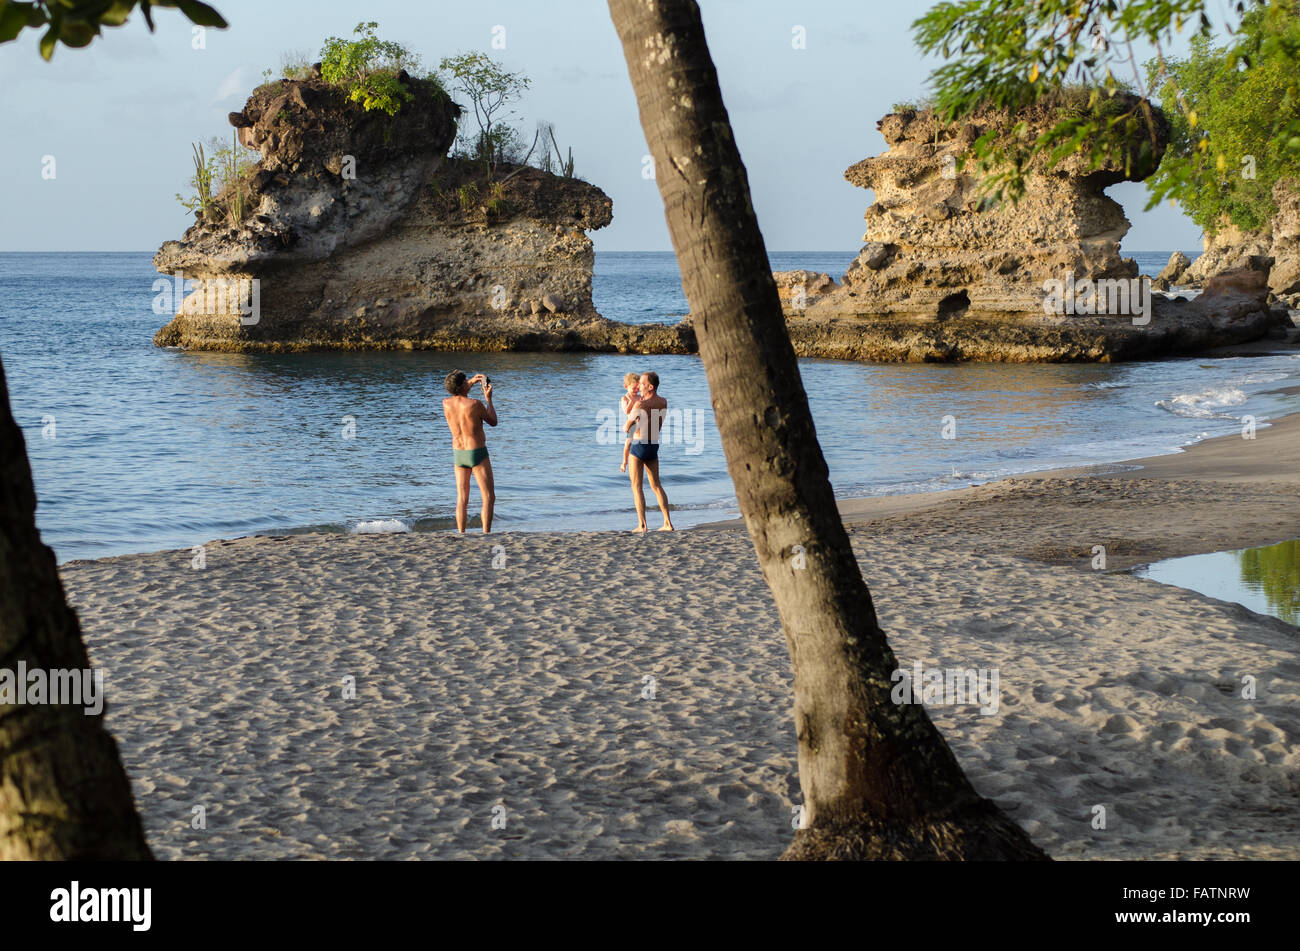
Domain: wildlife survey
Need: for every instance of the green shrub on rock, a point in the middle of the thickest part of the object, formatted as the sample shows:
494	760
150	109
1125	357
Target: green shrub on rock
369	69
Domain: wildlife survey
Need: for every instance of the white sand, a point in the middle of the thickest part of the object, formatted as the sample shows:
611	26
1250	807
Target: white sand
522	686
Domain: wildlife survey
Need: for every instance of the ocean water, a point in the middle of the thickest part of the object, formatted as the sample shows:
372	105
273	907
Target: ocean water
139	449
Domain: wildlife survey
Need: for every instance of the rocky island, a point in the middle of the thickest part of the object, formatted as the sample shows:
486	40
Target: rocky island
362	233
947	275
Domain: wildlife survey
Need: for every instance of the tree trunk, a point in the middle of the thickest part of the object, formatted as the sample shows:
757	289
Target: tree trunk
878	780
63	792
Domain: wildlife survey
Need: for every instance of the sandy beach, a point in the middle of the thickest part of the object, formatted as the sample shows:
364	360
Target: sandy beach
611	716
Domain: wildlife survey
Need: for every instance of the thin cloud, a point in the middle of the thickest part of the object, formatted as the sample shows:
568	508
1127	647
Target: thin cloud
576	74
234	84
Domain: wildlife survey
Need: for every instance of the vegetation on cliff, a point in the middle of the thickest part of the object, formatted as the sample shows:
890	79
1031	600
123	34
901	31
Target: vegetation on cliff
1056	128
1229	144
220	181
491	90
1014	53
374	72
381	76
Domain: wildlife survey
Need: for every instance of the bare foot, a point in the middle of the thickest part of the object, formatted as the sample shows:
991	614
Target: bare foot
639	528
667	527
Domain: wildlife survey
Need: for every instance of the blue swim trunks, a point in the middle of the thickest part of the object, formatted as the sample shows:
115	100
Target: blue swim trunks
645	451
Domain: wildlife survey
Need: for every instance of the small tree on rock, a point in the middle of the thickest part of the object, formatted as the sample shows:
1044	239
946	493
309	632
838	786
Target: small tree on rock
491	90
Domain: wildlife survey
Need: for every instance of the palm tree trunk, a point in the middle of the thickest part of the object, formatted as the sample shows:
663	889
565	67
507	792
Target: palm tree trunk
878	780
63	792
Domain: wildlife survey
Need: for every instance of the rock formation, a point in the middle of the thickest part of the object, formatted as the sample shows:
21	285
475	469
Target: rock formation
1227	249
1284	278
1230	249
1172	272
932	245
947	275
361	233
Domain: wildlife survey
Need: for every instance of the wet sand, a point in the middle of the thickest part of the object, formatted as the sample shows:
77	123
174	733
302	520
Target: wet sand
1223	493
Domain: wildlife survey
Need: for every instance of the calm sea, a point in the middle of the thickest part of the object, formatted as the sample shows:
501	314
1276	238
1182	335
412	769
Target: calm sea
139	449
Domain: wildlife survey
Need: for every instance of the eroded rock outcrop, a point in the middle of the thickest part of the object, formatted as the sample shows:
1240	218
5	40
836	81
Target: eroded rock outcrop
362	233
1173	271
1284	277
1229	248
947	275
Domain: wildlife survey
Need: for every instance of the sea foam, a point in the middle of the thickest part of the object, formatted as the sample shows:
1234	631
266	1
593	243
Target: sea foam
1206	404
380	526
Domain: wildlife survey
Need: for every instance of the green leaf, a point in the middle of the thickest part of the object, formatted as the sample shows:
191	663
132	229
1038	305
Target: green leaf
78	35
47	43
116	13
202	14
13	17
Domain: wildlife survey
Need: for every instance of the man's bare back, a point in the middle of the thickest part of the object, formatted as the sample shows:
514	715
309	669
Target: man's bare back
465	420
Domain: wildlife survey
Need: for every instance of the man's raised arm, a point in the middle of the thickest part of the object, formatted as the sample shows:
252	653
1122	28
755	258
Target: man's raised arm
489	411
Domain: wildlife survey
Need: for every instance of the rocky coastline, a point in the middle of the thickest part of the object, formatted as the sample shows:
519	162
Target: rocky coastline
1276	246
362	233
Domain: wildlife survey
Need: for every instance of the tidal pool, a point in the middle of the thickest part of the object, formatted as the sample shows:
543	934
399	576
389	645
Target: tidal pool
1264	579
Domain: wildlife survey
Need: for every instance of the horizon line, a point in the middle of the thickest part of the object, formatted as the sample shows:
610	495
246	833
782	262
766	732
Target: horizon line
599	251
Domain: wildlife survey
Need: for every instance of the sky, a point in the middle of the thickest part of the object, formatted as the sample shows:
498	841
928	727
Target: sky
118	117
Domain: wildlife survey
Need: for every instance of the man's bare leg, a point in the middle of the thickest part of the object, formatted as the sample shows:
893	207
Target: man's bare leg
652	470
638	492
462	497
487	489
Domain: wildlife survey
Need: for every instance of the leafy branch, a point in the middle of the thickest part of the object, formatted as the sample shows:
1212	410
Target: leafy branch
1012	54
75	23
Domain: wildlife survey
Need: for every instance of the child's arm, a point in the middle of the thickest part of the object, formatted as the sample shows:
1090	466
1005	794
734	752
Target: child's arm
633	417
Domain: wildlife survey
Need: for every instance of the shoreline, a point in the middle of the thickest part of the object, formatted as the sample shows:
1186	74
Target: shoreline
510	671
1255	482
1229	460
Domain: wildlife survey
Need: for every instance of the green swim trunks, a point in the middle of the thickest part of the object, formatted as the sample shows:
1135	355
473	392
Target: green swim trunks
470	458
